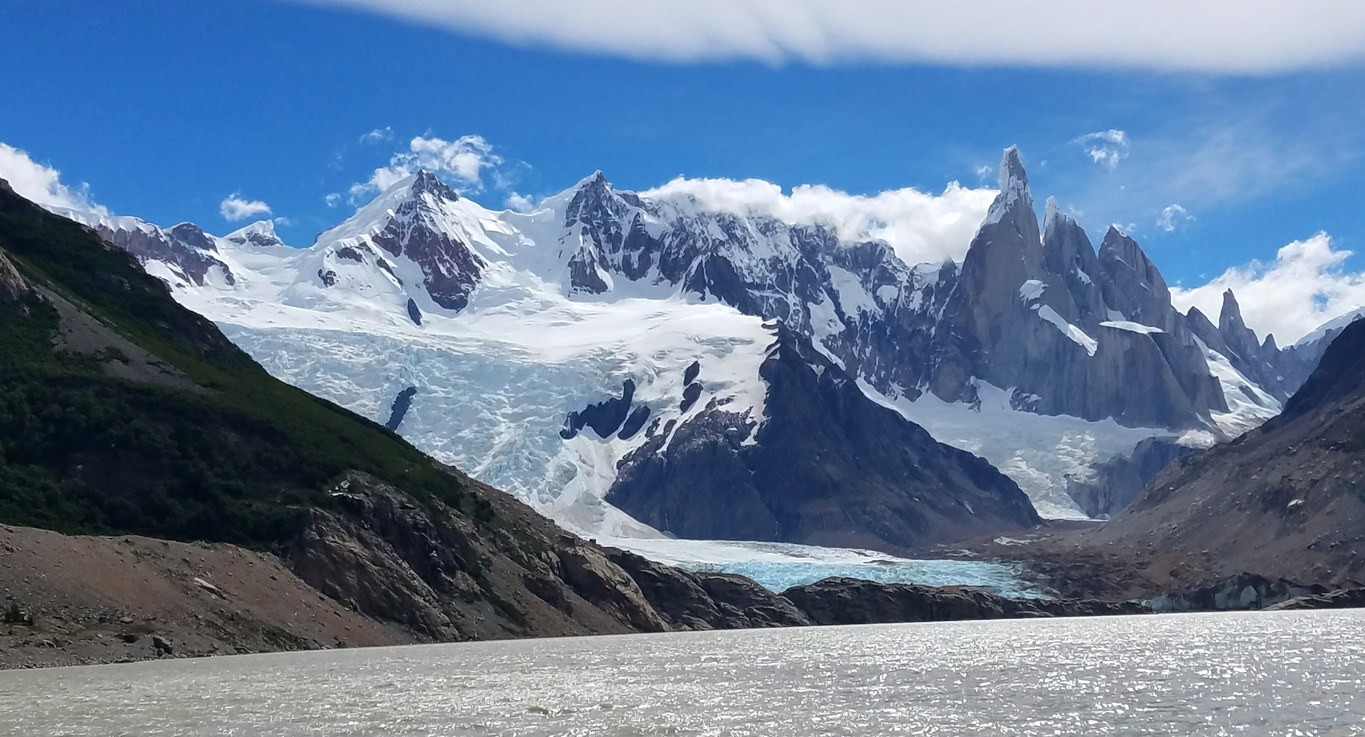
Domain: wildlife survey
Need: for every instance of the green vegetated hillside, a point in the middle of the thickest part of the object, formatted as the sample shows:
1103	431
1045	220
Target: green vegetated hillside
123	412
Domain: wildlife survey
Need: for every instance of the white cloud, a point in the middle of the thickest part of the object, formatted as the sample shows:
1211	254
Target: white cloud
1173	216
378	135
1229	36
1106	148
920	227
234	207
519	202
1305	286
460	162
41	183
333	199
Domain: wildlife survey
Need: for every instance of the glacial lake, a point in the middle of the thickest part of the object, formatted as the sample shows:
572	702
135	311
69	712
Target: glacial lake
1289	673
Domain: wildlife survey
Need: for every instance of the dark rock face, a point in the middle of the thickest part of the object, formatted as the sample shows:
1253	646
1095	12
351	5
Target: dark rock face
841	601
1075	333
707	601
606	417
1283	501
414	313
633	424
1119	480
451	268
828	467
185	248
1242	592
401	404
417	227
693	371
614	233
449	576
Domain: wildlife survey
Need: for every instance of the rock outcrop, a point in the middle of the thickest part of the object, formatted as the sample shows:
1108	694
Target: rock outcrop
185	250
836	601
260	234
828	466
701	601
1243	592
451	268
498	572
13	286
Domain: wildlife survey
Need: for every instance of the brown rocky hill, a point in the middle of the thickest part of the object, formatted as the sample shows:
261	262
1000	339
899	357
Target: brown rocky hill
1285	500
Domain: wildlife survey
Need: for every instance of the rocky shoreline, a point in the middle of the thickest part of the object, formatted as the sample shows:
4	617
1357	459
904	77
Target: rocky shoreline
76	600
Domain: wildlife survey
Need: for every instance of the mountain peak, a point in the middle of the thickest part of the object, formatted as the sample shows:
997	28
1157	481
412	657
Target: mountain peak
1012	169
425	182
1232	312
192	235
259	234
1014	192
594	181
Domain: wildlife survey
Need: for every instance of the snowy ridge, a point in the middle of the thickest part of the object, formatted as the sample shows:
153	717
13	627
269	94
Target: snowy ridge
1331	326
506	322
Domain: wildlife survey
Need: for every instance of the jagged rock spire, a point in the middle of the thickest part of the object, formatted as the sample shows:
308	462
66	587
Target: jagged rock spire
1014	200
1231	316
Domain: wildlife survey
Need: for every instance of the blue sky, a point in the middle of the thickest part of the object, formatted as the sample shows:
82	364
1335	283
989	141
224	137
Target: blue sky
165	109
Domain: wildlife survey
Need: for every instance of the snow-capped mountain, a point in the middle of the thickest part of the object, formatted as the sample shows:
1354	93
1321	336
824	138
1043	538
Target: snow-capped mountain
615	350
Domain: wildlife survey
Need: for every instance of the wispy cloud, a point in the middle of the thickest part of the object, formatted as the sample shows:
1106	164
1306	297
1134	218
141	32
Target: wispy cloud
519	202
1229	36
234	207
1172	217
1106	148
378	135
1184	168
42	184
1306	285
921	227
460	162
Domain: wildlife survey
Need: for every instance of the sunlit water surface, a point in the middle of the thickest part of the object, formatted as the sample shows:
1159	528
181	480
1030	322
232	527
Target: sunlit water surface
1226	674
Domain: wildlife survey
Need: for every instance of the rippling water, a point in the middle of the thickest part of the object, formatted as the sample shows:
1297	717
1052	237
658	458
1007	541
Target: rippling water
1227	674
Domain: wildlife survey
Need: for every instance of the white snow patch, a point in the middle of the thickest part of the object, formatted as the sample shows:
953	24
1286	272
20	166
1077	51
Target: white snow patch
1076	335
1132	327
1248	405
1031	290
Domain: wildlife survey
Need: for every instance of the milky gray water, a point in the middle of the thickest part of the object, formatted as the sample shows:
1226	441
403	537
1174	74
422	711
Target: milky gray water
1226	674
